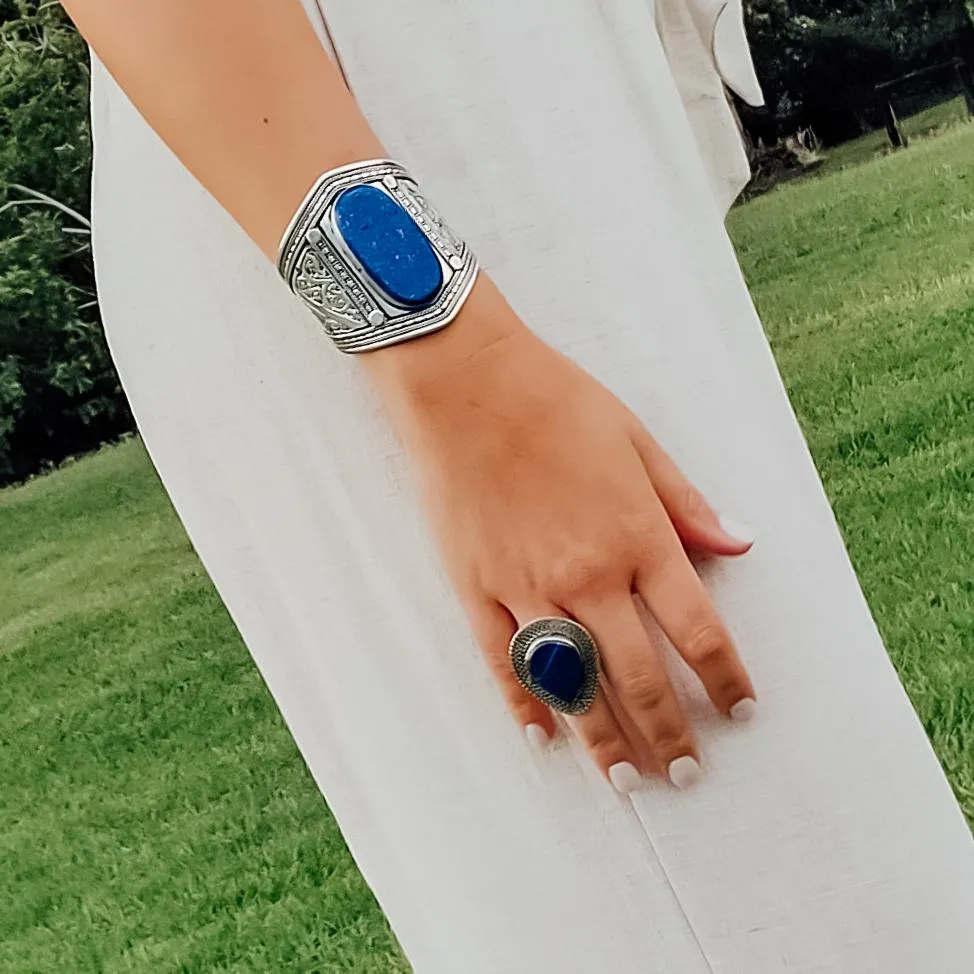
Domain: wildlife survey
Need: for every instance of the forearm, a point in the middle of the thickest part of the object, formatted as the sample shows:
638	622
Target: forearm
240	90
244	94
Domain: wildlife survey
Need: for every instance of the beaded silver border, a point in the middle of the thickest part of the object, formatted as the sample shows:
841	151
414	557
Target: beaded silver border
544	629
318	267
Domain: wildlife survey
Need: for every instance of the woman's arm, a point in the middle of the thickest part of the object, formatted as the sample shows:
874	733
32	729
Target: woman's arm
546	494
242	92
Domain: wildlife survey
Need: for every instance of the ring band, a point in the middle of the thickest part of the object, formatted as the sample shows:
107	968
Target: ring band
557	661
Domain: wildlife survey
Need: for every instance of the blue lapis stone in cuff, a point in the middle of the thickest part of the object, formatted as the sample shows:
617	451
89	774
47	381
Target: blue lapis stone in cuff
389	245
557	668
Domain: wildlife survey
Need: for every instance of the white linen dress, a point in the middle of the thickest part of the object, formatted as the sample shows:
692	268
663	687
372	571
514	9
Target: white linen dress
586	151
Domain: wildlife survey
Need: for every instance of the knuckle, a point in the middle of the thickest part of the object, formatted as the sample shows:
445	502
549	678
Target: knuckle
671	737
499	661
645	529
578	577
708	647
644	689
694	504
605	746
496	656
523	709
657	564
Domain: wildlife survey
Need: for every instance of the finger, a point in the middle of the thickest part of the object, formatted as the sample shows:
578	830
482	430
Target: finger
639	678
646	758
677	599
607	744
696	522
493	628
598	728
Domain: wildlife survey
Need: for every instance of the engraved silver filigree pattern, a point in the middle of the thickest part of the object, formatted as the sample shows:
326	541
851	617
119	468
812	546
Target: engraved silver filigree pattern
325	275
556	629
331	300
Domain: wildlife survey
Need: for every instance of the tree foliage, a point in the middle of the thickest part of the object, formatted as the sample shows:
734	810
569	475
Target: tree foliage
820	61
58	390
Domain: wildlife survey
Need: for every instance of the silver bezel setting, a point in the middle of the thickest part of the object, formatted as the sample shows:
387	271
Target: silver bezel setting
556	629
322	271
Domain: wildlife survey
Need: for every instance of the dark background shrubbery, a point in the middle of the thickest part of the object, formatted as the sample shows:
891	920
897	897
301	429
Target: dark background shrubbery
819	61
59	394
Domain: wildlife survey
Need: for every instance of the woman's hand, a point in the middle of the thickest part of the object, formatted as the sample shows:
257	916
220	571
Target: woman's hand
549	498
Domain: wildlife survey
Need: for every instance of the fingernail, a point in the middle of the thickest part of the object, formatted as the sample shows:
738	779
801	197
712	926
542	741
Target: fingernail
683	772
738	530
743	710
537	738
624	777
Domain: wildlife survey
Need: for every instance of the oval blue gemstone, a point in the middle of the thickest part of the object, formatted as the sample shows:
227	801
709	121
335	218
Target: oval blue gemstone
389	245
559	669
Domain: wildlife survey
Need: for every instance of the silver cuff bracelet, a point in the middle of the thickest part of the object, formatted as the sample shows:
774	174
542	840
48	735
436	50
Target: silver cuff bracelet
372	259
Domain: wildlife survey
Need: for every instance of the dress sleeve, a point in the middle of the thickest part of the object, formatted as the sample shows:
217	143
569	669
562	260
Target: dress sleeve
707	49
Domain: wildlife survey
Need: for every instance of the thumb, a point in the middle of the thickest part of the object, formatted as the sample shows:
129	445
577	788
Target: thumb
698	525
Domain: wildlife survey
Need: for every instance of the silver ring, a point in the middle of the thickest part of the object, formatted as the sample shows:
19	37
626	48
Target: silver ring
557	660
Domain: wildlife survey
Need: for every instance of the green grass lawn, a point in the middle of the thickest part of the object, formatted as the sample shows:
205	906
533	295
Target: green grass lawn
865	281
156	817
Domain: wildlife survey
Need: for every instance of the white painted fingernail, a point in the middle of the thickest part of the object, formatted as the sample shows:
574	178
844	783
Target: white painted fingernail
624	777
743	710
537	738
736	529
684	772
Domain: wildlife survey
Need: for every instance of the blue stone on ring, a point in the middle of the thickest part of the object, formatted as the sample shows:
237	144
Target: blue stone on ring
557	667
556	660
389	245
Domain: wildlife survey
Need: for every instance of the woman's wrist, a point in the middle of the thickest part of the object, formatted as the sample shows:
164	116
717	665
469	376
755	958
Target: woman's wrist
413	370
